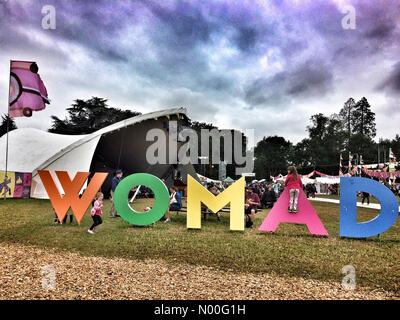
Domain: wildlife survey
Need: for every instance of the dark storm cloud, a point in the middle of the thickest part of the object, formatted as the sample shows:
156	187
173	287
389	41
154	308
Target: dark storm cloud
382	31
246	38
185	22
311	78
89	23
392	81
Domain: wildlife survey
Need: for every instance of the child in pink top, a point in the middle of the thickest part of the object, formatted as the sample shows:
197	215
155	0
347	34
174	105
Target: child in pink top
294	184
96	212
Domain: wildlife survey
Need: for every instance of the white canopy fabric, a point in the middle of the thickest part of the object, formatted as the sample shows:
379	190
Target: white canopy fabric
29	148
201	177
328	180
306	180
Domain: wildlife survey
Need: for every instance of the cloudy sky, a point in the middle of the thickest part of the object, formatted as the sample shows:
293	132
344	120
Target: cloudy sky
266	65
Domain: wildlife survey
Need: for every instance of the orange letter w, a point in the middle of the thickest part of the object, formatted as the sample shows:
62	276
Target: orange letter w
71	199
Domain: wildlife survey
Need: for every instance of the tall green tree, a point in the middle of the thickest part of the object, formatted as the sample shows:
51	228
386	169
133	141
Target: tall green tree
364	119
7	120
272	155
320	151
364	130
87	116
346	117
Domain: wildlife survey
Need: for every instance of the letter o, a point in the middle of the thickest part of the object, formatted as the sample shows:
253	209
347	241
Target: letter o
127	213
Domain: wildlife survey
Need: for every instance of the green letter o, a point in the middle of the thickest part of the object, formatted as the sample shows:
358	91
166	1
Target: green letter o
161	199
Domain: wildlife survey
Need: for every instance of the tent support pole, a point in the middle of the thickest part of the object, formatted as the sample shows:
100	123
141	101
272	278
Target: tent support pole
8	129
136	193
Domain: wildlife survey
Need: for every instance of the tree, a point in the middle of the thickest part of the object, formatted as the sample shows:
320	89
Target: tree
322	147
346	117
87	116
364	119
272	156
365	146
317	129
3	126
359	123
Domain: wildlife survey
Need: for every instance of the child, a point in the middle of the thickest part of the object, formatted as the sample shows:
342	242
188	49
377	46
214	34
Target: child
293	183
96	212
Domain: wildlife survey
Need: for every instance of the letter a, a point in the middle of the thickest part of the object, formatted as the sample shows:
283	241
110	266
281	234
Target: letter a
306	215
71	188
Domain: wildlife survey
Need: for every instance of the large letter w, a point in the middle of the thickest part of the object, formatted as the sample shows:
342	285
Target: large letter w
70	197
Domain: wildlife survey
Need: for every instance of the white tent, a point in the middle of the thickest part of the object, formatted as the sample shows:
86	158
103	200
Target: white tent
305	180
121	145
328	180
209	180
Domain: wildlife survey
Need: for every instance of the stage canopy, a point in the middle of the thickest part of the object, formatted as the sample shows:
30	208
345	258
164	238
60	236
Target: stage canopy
122	145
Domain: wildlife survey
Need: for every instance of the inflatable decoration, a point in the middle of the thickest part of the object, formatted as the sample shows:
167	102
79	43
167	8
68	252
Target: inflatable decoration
27	91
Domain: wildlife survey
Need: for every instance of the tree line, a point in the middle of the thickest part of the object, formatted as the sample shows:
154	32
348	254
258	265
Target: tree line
352	130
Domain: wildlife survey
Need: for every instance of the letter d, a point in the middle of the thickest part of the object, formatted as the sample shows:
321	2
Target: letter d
348	208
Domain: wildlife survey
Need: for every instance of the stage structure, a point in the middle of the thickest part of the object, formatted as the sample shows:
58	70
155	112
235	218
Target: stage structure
121	145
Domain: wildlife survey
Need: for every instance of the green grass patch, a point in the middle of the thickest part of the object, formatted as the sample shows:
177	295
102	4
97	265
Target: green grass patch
290	252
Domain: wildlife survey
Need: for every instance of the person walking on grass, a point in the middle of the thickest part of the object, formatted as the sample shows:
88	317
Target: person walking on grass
114	183
96	212
294	184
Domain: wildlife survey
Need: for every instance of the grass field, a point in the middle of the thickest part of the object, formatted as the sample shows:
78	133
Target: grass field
290	252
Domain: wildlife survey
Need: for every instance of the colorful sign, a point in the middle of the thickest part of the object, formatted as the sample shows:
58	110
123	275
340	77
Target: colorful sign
17	185
235	195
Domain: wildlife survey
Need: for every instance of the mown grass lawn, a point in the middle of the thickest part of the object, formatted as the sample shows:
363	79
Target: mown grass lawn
291	251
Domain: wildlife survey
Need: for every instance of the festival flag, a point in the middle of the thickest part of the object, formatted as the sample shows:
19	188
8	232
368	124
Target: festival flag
27	91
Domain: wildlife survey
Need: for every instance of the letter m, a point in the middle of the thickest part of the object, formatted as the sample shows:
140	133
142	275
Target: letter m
70	197
197	195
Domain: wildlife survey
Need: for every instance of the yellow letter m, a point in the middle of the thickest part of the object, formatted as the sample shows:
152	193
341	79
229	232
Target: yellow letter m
197	195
